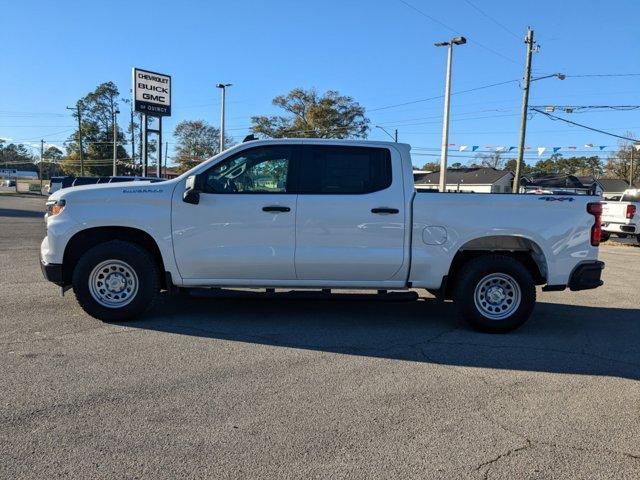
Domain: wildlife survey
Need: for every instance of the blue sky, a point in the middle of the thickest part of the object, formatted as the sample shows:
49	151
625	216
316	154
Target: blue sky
379	52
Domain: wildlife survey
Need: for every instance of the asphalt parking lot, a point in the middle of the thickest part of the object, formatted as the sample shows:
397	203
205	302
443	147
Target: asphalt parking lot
248	387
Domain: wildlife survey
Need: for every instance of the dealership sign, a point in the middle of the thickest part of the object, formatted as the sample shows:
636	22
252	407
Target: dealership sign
152	93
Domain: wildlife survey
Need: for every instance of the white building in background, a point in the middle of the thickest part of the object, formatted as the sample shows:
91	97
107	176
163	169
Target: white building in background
472	180
13	173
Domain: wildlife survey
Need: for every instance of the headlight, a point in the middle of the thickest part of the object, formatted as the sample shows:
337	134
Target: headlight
55	207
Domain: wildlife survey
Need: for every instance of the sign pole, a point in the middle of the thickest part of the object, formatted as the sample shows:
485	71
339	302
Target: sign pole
166	155
144	145
159	165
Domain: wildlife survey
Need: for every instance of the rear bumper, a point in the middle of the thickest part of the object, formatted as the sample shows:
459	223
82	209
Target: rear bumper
584	277
53	272
614	227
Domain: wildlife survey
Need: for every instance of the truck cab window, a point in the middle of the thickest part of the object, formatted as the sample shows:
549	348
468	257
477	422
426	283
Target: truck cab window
344	170
258	170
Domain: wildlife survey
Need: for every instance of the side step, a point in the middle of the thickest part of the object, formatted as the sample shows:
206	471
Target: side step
324	294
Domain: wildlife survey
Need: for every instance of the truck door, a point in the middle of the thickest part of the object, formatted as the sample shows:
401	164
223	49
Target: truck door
244	224
351	214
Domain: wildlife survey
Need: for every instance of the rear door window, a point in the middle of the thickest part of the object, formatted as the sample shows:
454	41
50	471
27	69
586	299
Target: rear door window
344	170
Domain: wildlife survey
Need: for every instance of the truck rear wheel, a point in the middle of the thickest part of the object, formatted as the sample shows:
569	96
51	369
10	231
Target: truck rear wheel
116	281
495	293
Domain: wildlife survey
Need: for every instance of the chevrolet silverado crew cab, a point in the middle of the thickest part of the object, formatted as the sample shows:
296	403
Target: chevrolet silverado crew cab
320	214
622	217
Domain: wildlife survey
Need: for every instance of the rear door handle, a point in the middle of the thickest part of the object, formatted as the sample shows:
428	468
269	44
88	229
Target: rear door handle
275	208
384	210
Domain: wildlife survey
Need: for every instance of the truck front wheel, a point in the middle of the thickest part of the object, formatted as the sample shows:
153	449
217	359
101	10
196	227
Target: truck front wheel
116	281
495	293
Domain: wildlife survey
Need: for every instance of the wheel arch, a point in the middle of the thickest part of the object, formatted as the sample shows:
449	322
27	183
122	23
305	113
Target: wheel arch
82	241
524	249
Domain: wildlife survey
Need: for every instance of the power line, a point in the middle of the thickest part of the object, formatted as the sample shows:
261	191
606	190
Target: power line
492	19
433	19
555	117
441	96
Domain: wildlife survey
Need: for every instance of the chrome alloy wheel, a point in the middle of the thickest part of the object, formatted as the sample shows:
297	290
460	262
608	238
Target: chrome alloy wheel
113	283
497	296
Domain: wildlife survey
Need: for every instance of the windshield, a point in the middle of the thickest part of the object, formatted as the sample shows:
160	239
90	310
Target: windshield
631	197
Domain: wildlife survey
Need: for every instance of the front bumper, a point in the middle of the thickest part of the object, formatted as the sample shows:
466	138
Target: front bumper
586	275
53	272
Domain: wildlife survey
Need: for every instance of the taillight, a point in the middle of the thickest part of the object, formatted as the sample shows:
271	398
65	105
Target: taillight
595	209
631	210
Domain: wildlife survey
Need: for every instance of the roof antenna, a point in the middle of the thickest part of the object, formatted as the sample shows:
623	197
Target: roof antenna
249	138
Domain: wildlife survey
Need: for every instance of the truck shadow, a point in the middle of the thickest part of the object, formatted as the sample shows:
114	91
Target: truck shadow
557	339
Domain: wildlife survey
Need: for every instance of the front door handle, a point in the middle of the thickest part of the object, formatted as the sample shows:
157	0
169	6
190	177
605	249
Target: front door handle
384	210
275	208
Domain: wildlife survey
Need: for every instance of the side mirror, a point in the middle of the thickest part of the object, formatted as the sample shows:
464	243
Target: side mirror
193	188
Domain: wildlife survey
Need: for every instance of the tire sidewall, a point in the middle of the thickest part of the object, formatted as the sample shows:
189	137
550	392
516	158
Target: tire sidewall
477	269
138	259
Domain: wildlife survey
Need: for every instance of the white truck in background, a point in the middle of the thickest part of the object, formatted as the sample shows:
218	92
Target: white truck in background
319	214
623	216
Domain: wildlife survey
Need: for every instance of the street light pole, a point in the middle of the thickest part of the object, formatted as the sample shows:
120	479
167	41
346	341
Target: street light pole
394	136
223	88
442	186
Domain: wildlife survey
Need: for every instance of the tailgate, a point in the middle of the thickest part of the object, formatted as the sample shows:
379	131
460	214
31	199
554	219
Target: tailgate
614	212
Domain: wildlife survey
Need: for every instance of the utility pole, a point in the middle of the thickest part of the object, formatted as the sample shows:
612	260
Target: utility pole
525	107
79	112
223	87
633	147
442	186
41	158
115	141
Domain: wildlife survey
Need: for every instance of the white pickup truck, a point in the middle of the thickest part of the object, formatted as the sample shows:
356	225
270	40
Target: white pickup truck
319	214
622	217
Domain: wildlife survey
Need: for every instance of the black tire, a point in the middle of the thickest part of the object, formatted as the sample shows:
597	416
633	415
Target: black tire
142	264
621	235
495	268
605	236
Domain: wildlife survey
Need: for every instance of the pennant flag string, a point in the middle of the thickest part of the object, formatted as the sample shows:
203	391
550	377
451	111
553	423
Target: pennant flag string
503	149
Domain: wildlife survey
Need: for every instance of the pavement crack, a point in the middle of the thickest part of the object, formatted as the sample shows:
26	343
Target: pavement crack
489	463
